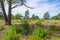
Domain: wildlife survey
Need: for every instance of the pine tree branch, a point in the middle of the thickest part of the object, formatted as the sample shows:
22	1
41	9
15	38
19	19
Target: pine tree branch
28	6
14	6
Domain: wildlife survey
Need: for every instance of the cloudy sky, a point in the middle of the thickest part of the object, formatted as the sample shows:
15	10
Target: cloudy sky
40	7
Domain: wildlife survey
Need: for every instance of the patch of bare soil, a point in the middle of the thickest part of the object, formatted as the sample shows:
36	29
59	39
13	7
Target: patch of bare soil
24	38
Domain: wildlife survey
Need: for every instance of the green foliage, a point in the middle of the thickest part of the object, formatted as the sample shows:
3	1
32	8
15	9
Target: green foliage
25	28
57	17
52	27
41	20
14	27
34	37
34	17
41	32
22	2
38	34
10	34
46	15
1	27
17	16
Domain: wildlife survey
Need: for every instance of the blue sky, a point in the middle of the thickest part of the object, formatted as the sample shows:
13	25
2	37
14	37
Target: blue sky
40	7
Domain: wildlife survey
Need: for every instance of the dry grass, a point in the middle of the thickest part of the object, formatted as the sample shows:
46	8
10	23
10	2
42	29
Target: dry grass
46	22
51	22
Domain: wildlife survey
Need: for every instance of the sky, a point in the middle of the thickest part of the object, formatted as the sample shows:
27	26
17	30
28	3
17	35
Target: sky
40	7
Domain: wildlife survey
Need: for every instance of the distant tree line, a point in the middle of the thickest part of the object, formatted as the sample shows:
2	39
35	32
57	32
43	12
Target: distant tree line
57	17
33	17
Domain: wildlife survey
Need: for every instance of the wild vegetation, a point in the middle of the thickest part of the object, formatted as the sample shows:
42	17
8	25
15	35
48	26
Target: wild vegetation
19	27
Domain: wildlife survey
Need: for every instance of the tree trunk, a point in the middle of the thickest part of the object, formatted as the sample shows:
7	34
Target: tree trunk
9	14
4	13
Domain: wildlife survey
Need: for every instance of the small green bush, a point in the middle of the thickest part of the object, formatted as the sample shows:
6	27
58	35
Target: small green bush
25	28
40	32
10	34
1	27
16	28
52	27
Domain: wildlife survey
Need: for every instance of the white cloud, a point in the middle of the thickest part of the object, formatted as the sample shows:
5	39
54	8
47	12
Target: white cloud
39	9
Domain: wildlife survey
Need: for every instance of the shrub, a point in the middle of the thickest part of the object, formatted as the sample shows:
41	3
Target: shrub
38	34
1	27
41	32
10	34
25	28
52	27
16	28
34	37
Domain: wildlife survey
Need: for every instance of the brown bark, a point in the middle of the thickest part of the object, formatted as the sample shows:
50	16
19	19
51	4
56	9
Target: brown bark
4	13
9	14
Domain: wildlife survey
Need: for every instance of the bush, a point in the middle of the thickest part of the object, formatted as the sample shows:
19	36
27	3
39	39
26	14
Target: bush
38	34
41	32
34	37
52	27
16	28
10	34
1	27
25	28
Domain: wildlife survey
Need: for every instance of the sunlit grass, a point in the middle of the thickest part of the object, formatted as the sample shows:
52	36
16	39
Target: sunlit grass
55	38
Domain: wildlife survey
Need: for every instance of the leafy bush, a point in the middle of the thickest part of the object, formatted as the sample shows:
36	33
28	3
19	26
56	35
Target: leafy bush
38	34
41	32
25	28
10	34
34	37
52	27
1	27
16	28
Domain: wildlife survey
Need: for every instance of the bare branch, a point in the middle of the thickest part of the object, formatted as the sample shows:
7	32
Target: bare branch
14	6
28	6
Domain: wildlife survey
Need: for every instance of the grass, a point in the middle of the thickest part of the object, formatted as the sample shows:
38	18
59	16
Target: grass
55	38
46	22
50	22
